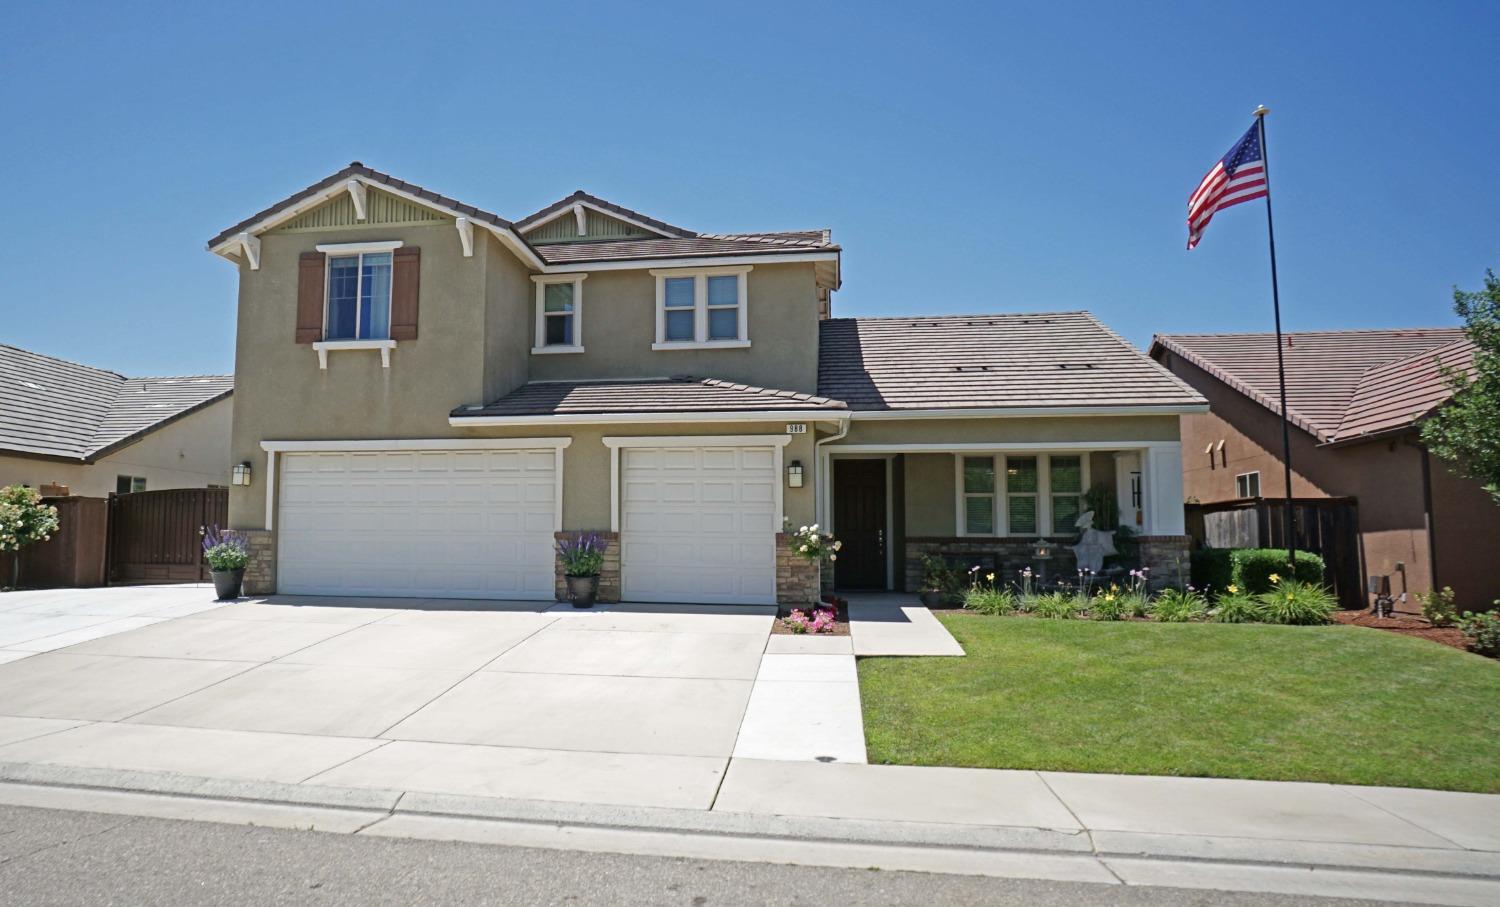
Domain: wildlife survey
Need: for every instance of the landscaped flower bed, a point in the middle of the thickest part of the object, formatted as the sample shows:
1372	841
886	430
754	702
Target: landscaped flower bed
829	617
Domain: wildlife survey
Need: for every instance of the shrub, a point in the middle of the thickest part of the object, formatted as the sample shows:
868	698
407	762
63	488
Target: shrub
989	600
1235	607
939	576
582	554
1439	606
1138	603
225	549
1211	568
24	519
1291	602
1483	631
1110	605
1057	606
1254	567
1175	606
810	543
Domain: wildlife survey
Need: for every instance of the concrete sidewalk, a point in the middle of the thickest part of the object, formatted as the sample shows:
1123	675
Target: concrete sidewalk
1303	839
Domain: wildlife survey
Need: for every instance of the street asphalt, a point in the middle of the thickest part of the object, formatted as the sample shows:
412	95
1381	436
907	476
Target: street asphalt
63	857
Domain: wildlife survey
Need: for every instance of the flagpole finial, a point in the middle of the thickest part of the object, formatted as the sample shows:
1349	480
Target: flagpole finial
1261	110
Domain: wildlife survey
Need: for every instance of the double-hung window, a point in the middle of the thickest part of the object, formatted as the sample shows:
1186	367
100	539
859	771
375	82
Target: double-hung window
559	313
359	296
1021	494
696	309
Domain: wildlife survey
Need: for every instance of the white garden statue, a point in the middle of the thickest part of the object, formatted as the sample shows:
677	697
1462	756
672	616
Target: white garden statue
1093	545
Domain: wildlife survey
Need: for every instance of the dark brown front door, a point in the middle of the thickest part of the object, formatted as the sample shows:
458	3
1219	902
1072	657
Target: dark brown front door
859	522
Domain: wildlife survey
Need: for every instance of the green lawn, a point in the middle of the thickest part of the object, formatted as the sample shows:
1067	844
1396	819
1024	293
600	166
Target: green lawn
1340	704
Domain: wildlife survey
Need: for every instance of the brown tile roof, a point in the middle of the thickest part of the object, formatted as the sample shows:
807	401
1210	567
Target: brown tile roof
1046	360
581	196
357	169
680	394
704	245
53	407
679	243
1340	384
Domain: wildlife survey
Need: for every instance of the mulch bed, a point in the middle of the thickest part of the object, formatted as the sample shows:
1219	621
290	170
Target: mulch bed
1406	626
840	621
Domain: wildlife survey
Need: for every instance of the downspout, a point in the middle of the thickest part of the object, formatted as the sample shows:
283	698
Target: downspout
1432	567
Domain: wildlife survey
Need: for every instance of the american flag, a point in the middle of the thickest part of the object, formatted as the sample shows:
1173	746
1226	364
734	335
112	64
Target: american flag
1239	176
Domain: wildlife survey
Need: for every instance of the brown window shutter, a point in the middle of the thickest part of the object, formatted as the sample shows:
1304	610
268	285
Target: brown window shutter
406	279
310	270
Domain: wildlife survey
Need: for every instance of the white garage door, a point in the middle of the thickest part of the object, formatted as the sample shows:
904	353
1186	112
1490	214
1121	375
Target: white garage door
454	523
698	524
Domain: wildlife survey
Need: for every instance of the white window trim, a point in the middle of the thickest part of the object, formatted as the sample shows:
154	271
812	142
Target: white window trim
1246	476
383	344
700	277
540	346
1001	494
325	346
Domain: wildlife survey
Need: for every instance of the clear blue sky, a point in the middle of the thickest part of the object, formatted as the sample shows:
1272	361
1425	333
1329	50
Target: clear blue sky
968	158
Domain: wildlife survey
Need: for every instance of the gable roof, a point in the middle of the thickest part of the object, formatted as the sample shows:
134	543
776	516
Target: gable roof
682	394
598	204
1341	385
56	408
1046	361
673	241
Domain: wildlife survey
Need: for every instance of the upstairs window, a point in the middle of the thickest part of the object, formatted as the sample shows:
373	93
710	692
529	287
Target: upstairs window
359	296
559	313
1247	485
698	309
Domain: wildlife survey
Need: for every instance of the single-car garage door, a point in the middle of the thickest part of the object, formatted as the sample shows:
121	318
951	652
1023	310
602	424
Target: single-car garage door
698	524
451	523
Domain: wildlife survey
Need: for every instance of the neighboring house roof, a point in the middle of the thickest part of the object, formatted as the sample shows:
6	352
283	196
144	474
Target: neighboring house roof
1043	361
56	408
1341	385
679	394
675	242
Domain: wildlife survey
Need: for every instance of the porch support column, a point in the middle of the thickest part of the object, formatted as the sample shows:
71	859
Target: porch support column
1161	473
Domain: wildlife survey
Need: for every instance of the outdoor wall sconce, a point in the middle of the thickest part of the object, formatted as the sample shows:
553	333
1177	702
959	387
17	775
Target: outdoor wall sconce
241	474
794	474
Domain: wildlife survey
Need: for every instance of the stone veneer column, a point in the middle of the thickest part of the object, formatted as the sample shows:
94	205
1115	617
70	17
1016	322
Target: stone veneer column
260	572
797	579
609	571
1167	556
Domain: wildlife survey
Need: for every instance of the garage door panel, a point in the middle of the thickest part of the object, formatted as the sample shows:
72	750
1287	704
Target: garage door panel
698	524
418	523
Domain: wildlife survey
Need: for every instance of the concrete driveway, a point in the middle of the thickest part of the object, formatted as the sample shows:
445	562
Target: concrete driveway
637	705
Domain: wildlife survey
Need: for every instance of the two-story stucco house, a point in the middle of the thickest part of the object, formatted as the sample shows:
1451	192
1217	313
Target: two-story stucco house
427	393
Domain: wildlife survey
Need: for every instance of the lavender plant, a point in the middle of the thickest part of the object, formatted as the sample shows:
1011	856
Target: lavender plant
582	554
225	549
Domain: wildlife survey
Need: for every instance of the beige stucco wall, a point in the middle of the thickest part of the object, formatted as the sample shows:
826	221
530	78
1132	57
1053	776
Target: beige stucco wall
1038	430
619	327
192	452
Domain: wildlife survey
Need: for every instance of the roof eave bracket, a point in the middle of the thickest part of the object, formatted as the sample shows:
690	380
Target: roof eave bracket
357	195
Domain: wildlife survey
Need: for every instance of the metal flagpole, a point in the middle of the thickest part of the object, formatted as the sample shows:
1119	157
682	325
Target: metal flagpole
1286	432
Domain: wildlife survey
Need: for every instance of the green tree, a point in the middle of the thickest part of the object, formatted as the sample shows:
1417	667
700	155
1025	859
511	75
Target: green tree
1466	431
24	519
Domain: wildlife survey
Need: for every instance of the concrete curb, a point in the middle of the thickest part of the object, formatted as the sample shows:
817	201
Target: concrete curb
1011	840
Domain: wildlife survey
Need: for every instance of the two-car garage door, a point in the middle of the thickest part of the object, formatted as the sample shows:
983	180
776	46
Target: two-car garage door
696	524
459	523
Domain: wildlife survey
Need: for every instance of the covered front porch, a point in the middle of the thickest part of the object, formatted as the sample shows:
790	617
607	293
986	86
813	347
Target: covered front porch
987	501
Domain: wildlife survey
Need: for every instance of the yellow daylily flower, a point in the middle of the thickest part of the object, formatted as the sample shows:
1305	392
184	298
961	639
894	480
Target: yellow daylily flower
1233	589
1274	578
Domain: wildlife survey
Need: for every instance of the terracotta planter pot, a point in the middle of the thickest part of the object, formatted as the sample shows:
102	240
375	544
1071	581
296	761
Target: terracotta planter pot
582	590
227	583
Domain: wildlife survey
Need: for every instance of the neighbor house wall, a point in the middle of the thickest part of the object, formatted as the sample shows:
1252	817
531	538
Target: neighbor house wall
1466	535
191	452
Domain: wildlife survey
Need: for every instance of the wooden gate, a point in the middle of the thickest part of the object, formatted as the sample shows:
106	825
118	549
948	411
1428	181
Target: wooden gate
1328	527
157	536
